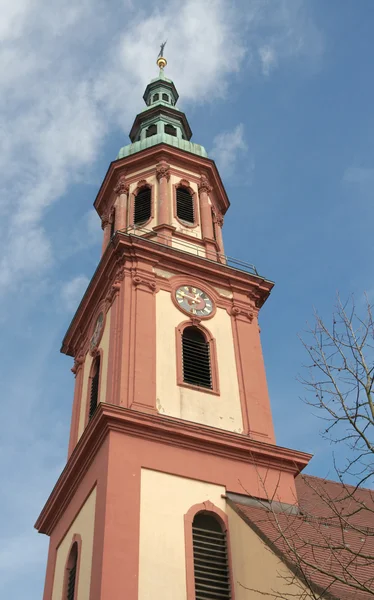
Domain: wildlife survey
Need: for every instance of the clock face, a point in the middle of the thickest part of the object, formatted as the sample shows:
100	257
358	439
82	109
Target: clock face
97	331
194	301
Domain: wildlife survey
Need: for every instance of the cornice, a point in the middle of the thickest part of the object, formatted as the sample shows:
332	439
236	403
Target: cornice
127	247
165	430
159	109
151	156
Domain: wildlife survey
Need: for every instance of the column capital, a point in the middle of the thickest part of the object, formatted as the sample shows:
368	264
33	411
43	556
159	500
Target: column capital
121	187
163	170
204	185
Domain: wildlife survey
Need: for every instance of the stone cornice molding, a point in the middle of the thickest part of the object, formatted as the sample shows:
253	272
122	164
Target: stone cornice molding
130	248
169	430
163	170
147	159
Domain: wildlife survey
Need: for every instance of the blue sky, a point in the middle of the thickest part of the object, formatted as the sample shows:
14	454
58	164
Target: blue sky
280	92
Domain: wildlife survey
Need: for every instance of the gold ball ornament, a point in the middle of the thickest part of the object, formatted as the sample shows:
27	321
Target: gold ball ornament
162	62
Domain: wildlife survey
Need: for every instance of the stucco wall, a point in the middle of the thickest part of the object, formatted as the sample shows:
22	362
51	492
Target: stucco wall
165	499
222	411
256	567
83	525
104	346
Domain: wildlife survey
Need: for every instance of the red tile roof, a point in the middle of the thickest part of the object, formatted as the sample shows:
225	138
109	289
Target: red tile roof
331	538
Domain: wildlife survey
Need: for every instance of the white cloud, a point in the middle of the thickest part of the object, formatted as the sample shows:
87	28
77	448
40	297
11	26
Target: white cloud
228	147
72	292
65	82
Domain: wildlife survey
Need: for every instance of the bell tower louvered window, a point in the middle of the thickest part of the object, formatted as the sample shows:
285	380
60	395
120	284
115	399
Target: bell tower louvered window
72	573
185	205
196	358
211	567
152	130
142	206
170	130
94	394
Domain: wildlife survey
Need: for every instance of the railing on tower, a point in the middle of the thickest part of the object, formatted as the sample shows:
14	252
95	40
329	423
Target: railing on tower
187	247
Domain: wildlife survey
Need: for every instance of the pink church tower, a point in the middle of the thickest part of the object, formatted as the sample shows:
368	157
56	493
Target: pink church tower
171	414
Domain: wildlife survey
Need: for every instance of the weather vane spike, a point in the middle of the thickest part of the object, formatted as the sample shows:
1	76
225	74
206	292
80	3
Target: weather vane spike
161	60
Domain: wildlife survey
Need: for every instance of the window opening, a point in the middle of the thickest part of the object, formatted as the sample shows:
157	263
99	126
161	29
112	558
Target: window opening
155	97
165	97
142	206
185	205
94	395
169	129
196	358
211	568
72	572
151	130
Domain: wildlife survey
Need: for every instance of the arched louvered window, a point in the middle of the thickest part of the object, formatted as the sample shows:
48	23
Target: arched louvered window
211	566
94	391
72	572
152	130
112	224
185	206
196	358
170	130
142	206
155	97
165	97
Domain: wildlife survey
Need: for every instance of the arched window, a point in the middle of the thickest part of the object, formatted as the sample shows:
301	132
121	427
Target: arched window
196	358
152	130
94	391
165	97
170	130
185	205
155	97
142	206
72	573
211	567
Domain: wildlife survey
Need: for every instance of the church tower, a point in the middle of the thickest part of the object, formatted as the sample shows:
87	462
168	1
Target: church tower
171	414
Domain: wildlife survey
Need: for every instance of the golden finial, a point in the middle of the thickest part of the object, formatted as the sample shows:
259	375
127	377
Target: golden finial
161	60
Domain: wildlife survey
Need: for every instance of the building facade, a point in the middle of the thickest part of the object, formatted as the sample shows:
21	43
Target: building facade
171	419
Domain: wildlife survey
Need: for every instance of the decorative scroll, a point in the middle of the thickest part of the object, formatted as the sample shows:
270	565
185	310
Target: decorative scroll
122	187
163	170
237	311
204	185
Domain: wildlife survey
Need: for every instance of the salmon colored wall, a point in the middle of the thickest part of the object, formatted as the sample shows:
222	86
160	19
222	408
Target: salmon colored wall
256	567
223	411
104	347
83	525
162	554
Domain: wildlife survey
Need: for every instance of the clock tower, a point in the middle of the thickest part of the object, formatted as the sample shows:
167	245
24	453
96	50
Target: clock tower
171	413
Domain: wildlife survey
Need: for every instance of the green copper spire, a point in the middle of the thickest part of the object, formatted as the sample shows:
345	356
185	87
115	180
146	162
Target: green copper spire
161	122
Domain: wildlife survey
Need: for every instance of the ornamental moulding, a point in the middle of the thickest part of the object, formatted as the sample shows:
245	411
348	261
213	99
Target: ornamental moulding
146	282
143	183
121	187
204	185
163	170
237	311
78	362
